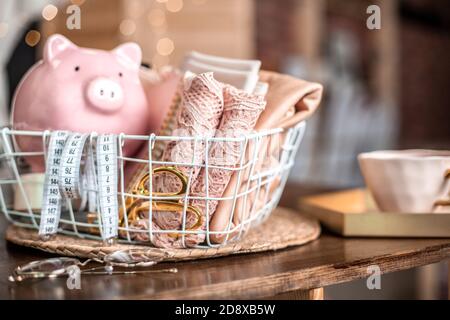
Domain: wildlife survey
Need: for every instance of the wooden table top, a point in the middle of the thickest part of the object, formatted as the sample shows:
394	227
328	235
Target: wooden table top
326	261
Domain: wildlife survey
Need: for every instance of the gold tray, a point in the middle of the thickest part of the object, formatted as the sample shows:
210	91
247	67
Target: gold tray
353	213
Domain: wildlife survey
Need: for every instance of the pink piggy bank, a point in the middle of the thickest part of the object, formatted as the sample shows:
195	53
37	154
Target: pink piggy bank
81	90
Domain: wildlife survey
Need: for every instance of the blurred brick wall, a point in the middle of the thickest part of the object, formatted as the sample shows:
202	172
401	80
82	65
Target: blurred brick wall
424	68
425	74
273	31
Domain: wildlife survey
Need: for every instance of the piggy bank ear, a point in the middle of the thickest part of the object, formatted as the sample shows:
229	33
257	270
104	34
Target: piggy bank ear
130	53
55	45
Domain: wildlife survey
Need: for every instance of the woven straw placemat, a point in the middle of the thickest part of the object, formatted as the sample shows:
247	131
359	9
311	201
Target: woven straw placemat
282	229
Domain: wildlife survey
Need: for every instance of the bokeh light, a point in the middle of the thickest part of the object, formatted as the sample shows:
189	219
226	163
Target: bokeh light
127	27
32	38
174	5
49	12
165	46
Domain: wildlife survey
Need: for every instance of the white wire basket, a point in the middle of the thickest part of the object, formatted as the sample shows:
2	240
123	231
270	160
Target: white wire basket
259	186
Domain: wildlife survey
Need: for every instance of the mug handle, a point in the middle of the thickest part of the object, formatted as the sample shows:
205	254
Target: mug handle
444	202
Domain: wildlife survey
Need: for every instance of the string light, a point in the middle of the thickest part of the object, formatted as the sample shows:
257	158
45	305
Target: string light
3	29
127	27
174	5
49	12
158	20
32	38
165	46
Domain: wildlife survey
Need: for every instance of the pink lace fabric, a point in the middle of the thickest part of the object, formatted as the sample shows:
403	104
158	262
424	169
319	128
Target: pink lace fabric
241	111
208	108
199	116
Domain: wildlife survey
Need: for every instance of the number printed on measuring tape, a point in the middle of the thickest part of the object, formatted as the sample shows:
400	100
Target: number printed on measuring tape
107	178
51	202
70	175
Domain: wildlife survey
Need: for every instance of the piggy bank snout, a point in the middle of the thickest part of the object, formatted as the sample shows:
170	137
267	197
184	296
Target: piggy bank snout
105	94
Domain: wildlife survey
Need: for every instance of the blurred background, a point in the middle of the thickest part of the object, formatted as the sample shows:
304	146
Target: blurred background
386	88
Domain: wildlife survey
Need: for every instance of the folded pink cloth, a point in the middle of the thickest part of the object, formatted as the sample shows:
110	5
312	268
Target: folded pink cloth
199	115
289	102
209	108
241	111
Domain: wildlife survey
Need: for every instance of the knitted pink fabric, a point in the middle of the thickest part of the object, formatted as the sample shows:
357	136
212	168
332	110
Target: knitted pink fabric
206	106
241	111
199	115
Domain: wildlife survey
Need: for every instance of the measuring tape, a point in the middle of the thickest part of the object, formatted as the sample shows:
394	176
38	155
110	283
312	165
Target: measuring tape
51	202
107	184
70	171
70	174
90	183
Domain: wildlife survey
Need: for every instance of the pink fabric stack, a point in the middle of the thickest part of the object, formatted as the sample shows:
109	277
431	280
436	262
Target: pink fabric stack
199	116
208	109
241	110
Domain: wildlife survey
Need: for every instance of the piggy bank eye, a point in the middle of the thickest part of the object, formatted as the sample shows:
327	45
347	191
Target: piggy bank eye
77	68
120	74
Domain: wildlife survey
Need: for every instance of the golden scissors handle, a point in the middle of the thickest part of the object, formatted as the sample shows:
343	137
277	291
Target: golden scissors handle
141	187
136	208
140	210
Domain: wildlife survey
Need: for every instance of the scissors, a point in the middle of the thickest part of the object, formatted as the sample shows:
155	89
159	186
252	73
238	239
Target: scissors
136	208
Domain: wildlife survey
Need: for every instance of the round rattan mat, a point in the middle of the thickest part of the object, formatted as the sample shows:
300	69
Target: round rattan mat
282	229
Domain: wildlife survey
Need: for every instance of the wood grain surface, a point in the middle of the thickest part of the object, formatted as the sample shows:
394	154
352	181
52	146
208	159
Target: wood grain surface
328	260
